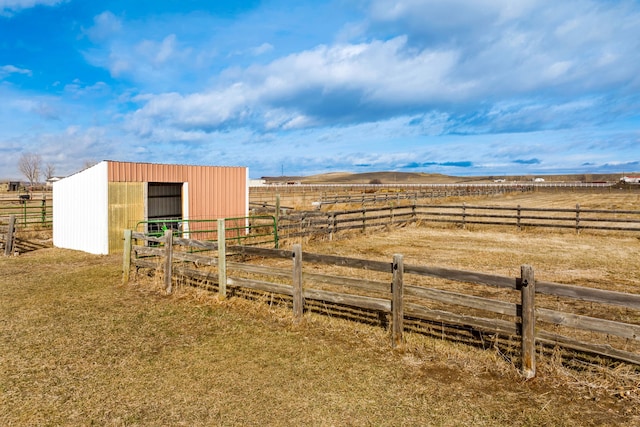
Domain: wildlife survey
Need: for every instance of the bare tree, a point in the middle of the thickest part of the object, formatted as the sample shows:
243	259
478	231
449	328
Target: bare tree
30	165
49	171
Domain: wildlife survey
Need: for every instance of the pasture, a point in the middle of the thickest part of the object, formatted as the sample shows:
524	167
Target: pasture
79	348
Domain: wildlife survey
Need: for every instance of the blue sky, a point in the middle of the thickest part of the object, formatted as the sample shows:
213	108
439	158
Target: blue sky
482	87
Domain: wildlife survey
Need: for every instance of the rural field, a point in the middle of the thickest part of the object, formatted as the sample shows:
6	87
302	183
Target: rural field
79	348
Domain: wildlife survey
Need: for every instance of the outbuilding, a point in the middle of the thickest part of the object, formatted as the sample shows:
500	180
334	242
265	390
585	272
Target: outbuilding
92	208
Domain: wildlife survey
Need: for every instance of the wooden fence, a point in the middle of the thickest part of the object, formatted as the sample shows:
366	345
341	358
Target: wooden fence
537	314
399	196
323	195
12	240
308	223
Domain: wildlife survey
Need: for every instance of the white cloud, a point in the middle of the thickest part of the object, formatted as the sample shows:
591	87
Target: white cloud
9	7
67	148
405	82
158	53
292	92
78	89
7	70
204	111
488	51
507	44
105	26
262	49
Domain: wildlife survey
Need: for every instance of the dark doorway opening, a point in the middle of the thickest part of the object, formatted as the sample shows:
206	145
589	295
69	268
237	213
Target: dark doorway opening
164	206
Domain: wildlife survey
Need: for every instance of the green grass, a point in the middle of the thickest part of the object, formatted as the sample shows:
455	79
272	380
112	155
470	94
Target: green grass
78	348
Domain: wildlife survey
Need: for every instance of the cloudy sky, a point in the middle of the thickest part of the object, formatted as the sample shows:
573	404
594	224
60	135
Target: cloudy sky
462	87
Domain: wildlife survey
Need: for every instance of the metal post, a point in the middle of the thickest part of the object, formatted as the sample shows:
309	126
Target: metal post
168	263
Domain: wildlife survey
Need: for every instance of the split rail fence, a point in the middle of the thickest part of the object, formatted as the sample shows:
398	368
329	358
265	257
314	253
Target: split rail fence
535	313
307	223
436	192
10	241
324	195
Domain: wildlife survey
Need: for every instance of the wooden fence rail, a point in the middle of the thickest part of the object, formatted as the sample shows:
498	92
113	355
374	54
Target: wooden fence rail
13	240
330	222
434	192
406	292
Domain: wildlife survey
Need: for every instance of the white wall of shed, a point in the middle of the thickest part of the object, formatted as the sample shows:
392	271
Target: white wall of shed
80	211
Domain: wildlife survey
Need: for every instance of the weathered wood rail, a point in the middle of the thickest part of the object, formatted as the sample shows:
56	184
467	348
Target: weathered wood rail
600	322
330	222
402	195
336	194
10	241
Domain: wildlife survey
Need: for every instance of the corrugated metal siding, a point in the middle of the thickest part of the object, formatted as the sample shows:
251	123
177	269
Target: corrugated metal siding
126	208
80	218
214	191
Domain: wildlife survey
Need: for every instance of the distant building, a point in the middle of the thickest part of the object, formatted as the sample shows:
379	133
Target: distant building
630	179
53	179
538	180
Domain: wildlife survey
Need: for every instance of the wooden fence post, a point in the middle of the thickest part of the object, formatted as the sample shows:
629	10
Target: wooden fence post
528	291
126	257
518	218
397	301
364	219
334	225
168	262
298	296
8	242
577	218
464	216
222	259
44	209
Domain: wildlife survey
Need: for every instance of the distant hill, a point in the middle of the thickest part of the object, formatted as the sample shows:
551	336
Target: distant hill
431	178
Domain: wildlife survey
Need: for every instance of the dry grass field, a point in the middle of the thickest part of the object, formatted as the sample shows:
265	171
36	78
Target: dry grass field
78	348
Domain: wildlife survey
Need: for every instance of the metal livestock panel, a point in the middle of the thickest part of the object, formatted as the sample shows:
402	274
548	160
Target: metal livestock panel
80	216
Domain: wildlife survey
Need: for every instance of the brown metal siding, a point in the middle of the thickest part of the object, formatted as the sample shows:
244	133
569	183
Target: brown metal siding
214	191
